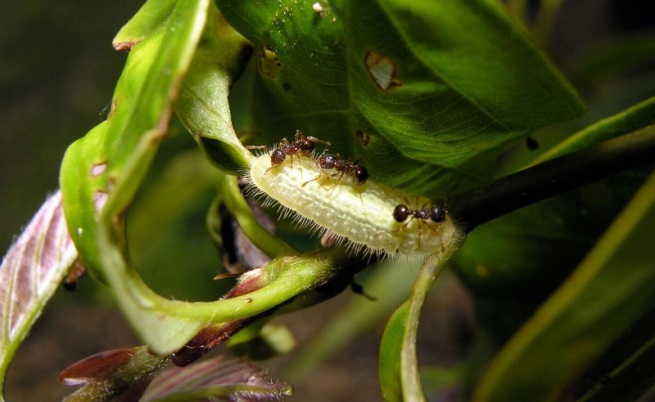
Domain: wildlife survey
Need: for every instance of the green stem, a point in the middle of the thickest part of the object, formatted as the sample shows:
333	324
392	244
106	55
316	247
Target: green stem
479	205
411	378
264	240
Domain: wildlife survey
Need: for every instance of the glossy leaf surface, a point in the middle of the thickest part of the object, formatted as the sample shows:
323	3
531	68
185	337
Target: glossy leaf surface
415	88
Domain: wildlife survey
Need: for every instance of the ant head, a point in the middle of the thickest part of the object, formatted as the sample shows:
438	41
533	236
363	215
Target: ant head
437	214
277	157
305	145
327	161
360	174
401	212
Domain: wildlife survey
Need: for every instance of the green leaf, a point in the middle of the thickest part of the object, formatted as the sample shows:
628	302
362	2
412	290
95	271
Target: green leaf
30	273
147	20
631	119
102	171
165	233
415	89
512	264
391	348
626	371
398	366
389	282
611	288
203	103
620	54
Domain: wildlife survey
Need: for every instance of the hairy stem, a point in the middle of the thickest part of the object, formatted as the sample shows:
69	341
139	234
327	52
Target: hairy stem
479	205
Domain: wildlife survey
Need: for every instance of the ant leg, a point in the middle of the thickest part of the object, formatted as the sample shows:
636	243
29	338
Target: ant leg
400	229
267	170
320	174
326	143
337	183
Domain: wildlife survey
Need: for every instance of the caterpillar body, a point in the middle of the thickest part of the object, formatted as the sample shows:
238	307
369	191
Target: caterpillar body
362	214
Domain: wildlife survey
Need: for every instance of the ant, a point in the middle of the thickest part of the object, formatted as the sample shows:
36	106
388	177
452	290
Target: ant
301	145
434	212
354	169
342	166
73	276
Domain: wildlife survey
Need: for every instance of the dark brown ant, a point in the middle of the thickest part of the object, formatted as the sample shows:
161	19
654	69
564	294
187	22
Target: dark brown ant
342	166
301	145
73	276
434	212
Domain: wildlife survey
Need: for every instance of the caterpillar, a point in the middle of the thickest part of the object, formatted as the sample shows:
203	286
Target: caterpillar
365	215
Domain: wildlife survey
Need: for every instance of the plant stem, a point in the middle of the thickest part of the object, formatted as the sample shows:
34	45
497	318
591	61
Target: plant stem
482	204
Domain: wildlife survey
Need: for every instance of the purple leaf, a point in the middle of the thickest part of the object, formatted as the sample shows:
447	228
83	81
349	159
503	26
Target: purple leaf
30	273
119	375
219	378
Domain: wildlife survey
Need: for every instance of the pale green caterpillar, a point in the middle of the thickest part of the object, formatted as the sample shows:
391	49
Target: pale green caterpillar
362	214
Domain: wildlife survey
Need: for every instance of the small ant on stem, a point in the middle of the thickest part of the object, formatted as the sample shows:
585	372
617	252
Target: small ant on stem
301	145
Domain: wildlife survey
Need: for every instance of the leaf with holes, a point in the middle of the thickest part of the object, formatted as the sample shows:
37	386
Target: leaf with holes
417	89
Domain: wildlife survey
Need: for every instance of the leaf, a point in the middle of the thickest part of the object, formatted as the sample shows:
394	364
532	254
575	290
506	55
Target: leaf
30	273
113	375
512	264
146	21
414	88
203	104
221	378
620	55
626	371
389	282
164	223
391	348
398	367
109	164
631	119
609	290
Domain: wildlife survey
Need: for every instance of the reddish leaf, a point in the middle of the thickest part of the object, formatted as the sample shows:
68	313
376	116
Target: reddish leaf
30	273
